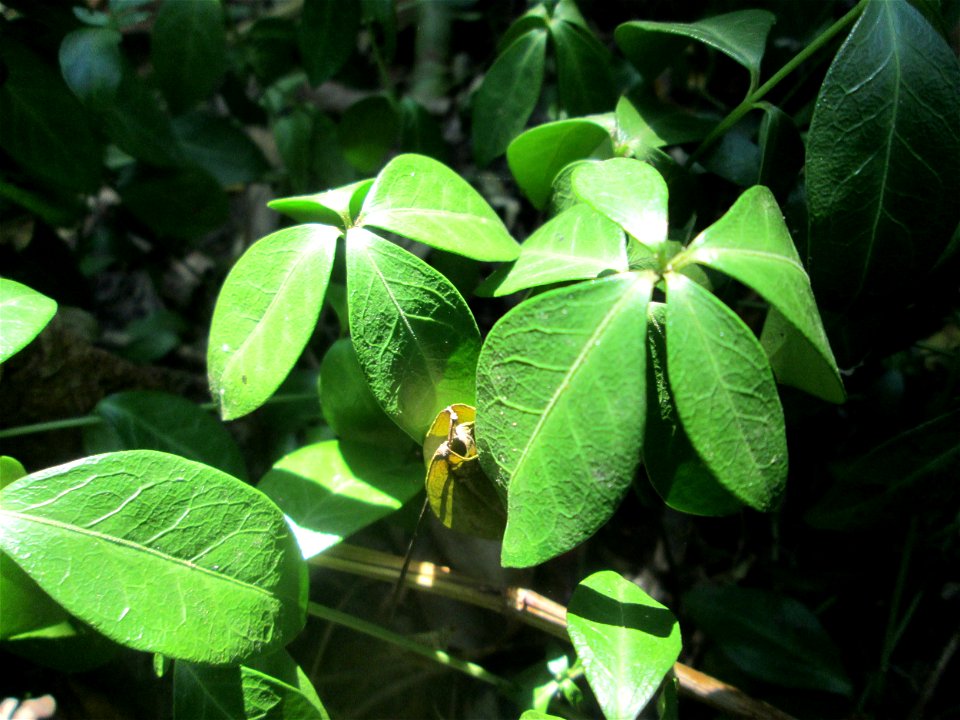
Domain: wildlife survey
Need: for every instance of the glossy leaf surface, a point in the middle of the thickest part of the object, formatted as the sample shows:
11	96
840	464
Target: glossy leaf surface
539	154
770	637
91	64
187	561
560	411
626	640
675	470
508	95
422	199
149	420
577	244
629	192
331	489
883	157
266	312
188	47
24	313
742	35
752	244
725	394
271	686
414	335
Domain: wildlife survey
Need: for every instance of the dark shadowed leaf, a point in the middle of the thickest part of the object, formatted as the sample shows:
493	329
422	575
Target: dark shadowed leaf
220	147
328	36
91	64
183	204
584	74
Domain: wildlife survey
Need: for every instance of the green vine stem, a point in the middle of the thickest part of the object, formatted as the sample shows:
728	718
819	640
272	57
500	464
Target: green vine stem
754	97
90	420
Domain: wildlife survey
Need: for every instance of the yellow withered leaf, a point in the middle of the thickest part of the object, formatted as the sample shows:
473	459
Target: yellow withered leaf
459	493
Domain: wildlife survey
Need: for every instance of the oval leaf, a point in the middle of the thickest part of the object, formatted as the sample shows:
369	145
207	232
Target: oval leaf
91	64
629	192
328	36
148	420
560	411
537	156
883	157
508	95
422	199
725	394
577	244
752	244
188	47
331	489
584	74
265	314
626	640
186	561
25	313
414	335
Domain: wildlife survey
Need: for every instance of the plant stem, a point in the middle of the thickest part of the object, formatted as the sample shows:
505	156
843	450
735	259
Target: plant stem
381	633
753	98
90	420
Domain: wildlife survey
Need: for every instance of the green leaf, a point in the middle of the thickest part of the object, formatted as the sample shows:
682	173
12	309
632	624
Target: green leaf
675	470
160	554
25	313
883	158
220	147
424	200
332	489
328	36
508	95
91	64
26	608
136	123
781	151
537	715
10	470
742	35
188	47
629	192
270	686
537	156
267	310
184	204
414	335
369	130
626	640
653	124
770	637
150	420
577	244
752	244
560	411
45	128
584	75
349	406
332	207
725	394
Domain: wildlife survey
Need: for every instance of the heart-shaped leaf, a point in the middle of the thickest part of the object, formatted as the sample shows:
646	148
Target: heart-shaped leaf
186	561
626	640
266	312
560	411
422	199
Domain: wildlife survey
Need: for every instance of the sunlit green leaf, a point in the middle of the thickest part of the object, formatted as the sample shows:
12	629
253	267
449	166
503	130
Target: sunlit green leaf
332	207
629	192
414	335
539	154
186	560
331	489
267	310
24	313
560	411
508	95
725	394
752	244
626	640
577	244
422	199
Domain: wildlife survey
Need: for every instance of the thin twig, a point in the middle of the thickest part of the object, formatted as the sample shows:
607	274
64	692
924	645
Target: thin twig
530	608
